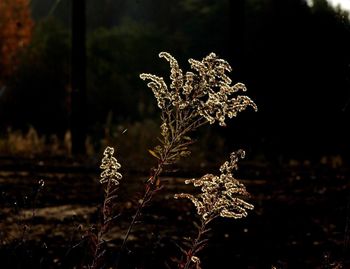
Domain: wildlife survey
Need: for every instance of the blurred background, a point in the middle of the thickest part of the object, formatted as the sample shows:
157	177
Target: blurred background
293	55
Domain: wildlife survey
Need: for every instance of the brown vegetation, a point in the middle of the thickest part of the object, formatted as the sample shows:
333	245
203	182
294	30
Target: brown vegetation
16	26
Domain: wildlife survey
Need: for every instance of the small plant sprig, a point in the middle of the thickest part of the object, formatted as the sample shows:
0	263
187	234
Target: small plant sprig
192	100
220	196
110	177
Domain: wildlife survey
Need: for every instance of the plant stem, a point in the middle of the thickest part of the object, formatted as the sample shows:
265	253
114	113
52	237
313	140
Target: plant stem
181	128
149	190
196	243
138	211
106	211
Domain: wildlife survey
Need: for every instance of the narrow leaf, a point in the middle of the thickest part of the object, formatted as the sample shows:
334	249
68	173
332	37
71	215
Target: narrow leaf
153	154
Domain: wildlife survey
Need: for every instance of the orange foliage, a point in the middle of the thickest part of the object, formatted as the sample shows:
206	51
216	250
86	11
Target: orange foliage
16	27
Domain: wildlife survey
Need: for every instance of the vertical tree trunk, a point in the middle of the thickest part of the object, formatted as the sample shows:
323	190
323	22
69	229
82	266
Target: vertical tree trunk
78	112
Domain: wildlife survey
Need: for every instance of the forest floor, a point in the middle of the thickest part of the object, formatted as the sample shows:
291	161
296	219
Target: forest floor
299	221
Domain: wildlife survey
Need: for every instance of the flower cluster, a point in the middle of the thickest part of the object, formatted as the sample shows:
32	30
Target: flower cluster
220	195
110	167
207	90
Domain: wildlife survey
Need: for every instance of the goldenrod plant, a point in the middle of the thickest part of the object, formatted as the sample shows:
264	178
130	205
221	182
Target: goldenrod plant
220	196
110	178
202	96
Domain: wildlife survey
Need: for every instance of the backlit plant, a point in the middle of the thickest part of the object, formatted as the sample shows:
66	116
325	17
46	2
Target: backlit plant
220	196
110	177
202	96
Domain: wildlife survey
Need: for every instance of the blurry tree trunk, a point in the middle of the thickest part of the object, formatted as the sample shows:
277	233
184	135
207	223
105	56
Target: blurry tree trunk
78	112
237	36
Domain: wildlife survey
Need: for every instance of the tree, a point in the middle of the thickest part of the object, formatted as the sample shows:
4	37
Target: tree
78	116
40	82
16	27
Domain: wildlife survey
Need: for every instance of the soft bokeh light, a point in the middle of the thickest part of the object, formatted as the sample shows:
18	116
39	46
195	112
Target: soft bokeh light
345	4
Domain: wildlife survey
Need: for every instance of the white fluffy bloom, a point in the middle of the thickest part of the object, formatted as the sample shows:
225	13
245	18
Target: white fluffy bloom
110	167
207	90
220	195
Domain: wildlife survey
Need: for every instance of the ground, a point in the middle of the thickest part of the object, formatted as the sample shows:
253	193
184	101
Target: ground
299	221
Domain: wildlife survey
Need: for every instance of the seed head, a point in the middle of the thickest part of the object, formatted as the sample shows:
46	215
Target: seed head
220	195
207	91
110	167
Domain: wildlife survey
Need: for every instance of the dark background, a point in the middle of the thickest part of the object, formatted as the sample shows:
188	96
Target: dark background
294	59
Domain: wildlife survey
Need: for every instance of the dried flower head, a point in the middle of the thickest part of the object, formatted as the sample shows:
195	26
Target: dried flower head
207	91
220	195
195	98
110	167
196	261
